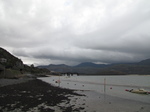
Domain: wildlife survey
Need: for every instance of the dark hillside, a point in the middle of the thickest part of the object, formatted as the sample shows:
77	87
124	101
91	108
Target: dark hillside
144	62
11	61
89	64
13	67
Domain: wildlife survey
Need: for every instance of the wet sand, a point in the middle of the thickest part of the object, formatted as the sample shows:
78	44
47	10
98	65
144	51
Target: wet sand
35	95
96	102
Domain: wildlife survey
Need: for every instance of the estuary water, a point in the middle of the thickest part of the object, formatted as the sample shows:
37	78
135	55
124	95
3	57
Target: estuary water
105	85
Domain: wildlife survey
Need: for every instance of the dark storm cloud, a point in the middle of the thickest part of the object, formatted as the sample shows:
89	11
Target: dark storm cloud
65	31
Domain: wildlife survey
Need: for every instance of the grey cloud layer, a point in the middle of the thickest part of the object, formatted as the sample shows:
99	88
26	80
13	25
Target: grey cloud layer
76	31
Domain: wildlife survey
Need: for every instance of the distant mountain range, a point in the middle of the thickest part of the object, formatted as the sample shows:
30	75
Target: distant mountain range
90	64
89	68
12	66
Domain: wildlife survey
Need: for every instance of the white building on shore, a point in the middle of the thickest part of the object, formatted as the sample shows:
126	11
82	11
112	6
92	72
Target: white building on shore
3	60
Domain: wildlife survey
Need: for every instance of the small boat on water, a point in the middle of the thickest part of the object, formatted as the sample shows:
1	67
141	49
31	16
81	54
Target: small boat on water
138	91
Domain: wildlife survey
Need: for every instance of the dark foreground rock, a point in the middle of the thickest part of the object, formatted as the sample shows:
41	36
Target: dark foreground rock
35	95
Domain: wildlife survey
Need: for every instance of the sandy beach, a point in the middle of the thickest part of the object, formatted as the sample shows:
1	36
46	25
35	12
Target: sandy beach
35	95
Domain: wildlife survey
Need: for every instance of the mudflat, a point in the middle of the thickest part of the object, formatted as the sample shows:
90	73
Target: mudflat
35	95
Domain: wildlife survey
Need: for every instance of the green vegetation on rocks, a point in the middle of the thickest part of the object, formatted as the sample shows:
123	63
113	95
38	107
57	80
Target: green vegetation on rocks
13	67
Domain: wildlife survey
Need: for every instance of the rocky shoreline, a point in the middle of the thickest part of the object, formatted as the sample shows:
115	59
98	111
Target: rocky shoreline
35	95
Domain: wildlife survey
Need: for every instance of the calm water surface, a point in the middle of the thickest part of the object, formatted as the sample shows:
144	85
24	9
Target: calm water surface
108	85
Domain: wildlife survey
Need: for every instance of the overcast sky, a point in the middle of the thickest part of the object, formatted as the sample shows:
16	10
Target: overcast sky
75	31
